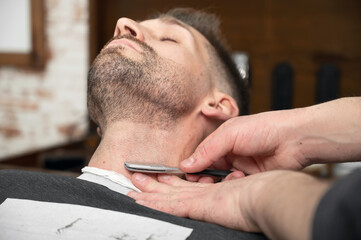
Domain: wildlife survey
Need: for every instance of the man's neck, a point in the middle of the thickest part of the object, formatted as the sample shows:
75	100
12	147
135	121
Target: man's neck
136	142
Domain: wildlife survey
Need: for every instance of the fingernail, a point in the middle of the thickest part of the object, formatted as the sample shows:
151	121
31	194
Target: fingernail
140	177
188	162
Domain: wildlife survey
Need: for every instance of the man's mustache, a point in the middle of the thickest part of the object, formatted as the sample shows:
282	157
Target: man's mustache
142	44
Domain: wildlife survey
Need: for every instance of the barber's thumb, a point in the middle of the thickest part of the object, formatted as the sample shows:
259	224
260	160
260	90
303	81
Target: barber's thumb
194	164
209	151
188	163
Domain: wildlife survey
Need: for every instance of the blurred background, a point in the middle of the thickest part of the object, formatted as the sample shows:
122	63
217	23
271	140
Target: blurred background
294	54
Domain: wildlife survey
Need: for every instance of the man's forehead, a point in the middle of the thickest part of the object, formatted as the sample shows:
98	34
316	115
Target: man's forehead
167	19
201	45
174	21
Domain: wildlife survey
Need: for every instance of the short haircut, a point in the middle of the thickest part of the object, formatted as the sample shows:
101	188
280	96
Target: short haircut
208	25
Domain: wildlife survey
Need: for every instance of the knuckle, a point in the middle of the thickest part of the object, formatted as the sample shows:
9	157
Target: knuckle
231	122
203	151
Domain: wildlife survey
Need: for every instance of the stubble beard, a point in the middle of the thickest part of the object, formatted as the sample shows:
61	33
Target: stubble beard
148	89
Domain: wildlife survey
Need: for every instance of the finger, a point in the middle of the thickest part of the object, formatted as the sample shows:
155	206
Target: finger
177	208
207	180
197	205
133	194
176	193
234	175
180	204
198	178
148	196
192	178
212	149
148	184
166	197
177	182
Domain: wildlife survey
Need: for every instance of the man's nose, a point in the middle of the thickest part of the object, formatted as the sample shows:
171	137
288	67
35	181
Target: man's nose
128	26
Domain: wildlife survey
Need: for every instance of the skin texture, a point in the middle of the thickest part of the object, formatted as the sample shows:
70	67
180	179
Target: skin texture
266	200
154	73
287	139
291	139
147	124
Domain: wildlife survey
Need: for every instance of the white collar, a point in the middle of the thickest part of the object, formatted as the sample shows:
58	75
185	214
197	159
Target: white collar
112	176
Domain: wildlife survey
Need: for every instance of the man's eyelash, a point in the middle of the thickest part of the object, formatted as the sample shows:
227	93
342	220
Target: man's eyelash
168	39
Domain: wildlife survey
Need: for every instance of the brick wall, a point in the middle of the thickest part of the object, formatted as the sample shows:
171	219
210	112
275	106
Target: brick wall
41	109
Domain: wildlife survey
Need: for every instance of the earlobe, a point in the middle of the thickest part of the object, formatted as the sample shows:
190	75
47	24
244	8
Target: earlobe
222	107
99	131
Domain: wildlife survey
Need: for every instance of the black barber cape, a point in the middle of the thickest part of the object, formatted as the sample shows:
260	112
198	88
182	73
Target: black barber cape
28	191
338	215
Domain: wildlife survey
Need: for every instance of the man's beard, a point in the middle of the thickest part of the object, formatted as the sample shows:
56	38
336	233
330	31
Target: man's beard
146	90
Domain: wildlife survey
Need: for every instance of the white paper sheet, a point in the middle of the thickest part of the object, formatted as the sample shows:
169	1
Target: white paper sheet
27	219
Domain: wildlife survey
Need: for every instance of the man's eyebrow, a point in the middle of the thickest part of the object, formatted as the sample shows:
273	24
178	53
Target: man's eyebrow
173	21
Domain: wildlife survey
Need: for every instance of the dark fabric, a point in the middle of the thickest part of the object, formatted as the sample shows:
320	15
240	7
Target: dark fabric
61	189
338	215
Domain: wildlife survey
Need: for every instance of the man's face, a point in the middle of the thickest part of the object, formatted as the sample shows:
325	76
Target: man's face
171	39
154	65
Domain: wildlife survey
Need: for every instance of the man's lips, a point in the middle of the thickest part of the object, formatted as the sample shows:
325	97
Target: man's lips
124	42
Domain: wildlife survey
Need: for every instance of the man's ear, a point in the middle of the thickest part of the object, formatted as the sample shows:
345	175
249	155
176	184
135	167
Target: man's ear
221	107
99	131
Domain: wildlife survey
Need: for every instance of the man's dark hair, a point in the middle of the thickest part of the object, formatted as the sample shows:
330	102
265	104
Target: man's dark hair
208	25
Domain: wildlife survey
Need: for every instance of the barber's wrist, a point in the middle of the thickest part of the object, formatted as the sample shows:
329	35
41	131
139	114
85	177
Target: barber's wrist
301	130
266	201
330	132
293	127
259	196
259	193
286	198
304	126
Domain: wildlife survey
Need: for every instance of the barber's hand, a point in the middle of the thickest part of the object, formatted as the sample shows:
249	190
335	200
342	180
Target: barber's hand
279	203
226	203
289	139
250	144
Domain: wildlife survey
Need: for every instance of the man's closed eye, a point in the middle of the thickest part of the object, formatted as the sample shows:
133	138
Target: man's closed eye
168	39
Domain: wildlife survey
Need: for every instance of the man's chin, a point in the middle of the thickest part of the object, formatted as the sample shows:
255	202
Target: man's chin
120	52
